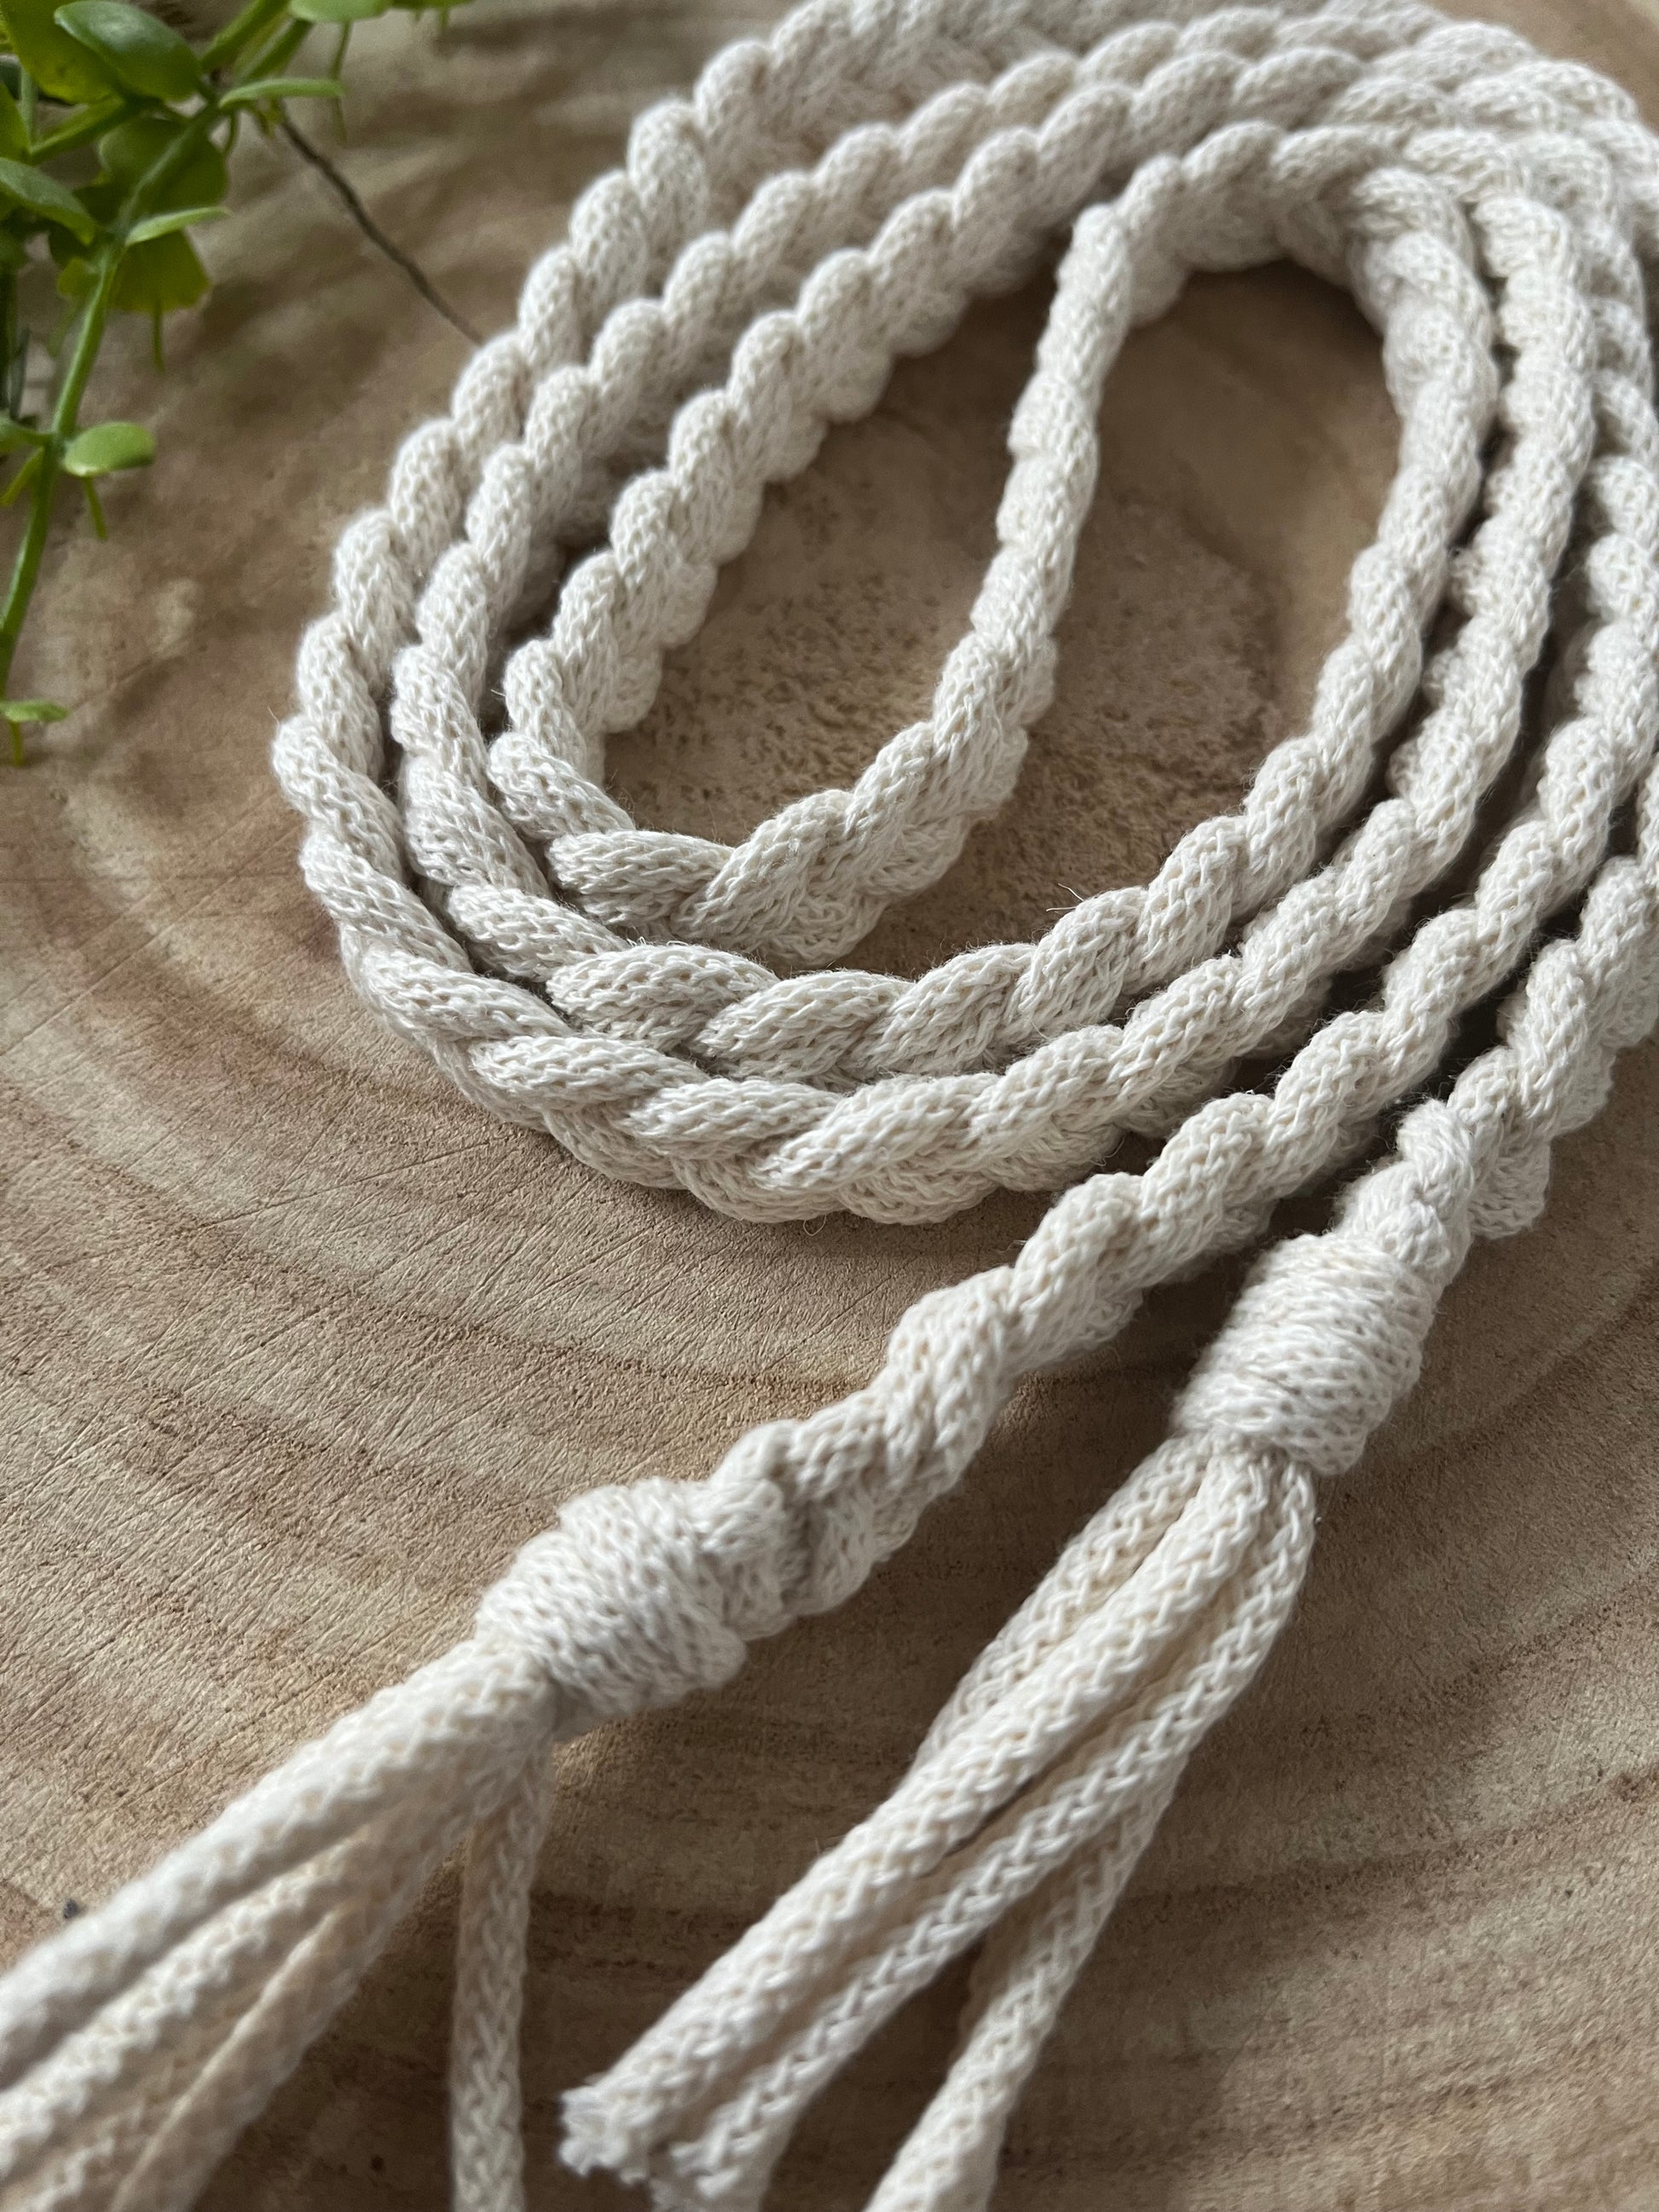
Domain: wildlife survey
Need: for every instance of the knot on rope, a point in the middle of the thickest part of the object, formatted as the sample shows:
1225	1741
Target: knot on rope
640	1595
1325	1337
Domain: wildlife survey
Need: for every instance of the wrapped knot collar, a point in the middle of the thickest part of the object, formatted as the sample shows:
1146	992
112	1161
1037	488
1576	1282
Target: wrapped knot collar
824	202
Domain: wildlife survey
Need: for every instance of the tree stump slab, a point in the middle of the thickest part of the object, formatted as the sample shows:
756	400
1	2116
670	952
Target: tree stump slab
296	1347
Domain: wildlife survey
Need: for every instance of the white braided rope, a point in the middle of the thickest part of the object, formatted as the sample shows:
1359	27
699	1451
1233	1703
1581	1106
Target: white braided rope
824	202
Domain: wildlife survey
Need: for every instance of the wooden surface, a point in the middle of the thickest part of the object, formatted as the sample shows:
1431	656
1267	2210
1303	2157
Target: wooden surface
295	1347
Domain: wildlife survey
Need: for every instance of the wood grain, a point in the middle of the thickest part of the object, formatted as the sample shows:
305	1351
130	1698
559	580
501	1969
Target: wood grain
294	1347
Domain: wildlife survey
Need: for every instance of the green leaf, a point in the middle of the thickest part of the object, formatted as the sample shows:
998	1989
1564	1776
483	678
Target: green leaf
159	275
14	131
41	195
14	254
14	435
142	53
284	87
336	11
59	64
108	446
162	226
132	149
31	710
155	277
428	7
102	201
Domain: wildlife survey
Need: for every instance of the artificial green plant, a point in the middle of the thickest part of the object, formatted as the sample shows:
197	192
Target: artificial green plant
114	134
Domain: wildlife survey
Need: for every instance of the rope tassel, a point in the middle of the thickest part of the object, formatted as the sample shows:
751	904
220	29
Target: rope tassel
824	203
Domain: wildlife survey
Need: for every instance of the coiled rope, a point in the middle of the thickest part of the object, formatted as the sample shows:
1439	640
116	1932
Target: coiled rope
826	200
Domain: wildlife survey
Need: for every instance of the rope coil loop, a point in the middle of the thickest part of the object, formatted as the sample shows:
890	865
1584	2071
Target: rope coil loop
823	203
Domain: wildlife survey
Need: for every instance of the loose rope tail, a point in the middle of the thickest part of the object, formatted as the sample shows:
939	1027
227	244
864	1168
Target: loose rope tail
823	203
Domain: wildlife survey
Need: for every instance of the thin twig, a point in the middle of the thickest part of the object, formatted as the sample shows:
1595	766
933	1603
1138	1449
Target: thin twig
352	202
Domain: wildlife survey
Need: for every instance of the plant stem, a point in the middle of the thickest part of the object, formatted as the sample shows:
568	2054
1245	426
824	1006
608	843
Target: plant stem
27	567
272	60
352	201
242	28
11	397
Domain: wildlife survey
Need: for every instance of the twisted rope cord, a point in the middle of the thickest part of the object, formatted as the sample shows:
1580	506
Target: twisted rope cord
824	202
1005	1129
1013	1118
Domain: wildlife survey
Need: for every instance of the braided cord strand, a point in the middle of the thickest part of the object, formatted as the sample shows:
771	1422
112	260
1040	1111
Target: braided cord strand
824	202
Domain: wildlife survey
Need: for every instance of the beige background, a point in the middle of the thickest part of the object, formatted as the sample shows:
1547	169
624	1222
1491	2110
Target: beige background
294	1347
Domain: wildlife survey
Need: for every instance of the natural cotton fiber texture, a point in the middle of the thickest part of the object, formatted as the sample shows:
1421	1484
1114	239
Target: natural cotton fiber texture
826	200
